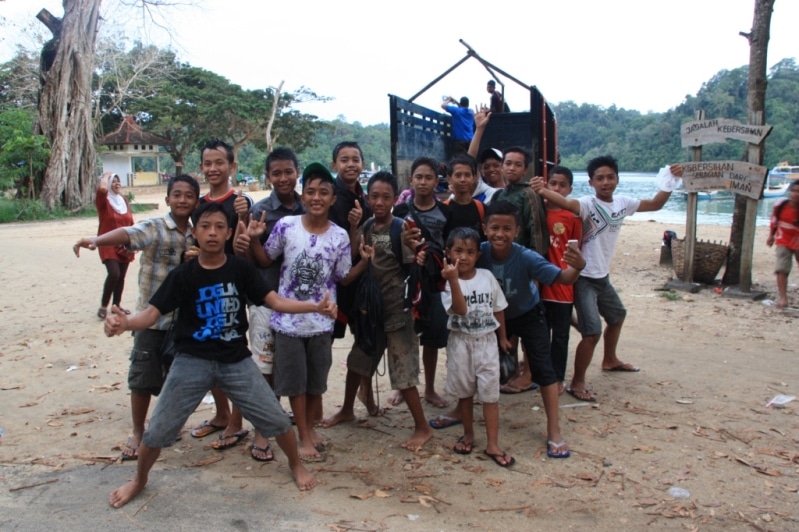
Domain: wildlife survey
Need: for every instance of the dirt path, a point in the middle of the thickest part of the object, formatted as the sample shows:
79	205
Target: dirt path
694	418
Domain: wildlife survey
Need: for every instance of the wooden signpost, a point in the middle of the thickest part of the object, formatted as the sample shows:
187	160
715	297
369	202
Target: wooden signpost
736	176
740	177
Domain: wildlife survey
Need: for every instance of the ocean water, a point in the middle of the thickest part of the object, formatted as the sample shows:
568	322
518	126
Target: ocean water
717	211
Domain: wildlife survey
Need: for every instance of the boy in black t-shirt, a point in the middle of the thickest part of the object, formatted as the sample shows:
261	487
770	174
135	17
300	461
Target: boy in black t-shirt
218	165
211	344
433	217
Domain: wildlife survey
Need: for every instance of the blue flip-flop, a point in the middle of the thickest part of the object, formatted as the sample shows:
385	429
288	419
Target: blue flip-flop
443	421
503	389
556	454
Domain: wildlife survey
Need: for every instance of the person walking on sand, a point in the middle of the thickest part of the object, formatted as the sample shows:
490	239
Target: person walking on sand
784	231
114	212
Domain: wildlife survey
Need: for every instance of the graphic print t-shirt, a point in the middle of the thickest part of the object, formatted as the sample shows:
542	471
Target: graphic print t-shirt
212	321
601	225
483	297
312	265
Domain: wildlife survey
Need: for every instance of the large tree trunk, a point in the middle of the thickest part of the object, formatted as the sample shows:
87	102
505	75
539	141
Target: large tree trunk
756	102
65	104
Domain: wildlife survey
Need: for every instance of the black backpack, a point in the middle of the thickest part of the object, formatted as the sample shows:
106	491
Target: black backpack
367	313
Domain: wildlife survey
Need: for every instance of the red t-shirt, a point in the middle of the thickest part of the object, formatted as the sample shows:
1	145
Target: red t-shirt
563	226
787	226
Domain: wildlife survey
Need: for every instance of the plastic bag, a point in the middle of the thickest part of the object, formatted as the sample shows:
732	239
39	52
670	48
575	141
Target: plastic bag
507	366
667	182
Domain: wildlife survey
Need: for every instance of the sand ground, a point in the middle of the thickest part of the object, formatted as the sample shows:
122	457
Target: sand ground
694	417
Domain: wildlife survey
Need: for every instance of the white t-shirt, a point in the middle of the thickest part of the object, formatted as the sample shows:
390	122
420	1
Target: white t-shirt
312	264
483	296
601	225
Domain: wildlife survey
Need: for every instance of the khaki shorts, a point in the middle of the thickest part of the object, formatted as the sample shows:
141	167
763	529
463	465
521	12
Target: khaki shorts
473	366
784	259
401	349
262	338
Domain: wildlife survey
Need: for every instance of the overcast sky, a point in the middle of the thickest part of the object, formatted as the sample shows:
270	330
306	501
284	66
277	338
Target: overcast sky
635	54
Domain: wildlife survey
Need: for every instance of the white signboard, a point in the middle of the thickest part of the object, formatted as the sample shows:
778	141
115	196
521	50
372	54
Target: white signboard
700	132
739	177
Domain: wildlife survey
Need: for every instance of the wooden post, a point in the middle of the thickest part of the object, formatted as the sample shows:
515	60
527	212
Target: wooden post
754	156
690	217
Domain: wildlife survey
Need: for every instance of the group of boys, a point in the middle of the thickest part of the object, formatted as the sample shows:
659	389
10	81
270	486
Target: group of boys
293	257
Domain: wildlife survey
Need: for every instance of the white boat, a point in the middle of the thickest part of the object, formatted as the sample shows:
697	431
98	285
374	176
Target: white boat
784	172
776	191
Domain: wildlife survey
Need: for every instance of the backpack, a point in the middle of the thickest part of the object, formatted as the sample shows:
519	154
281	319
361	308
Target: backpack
778	208
481	208
424	282
367	313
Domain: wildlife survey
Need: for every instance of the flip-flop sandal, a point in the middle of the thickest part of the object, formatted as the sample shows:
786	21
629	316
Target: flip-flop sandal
509	460
556	454
467	446
129	452
511	389
582	395
443	421
204	429
270	455
236	437
624	367
102	313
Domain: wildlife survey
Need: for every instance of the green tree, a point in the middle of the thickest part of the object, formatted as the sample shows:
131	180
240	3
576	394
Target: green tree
23	155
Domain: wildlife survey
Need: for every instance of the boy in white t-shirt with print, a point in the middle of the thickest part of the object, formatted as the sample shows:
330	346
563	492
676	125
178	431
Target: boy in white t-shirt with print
316	256
474	302
594	296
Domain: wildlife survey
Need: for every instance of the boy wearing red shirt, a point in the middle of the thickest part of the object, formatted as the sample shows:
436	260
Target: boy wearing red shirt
785	233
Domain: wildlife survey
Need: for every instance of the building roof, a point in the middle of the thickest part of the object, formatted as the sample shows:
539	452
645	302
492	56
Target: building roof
129	132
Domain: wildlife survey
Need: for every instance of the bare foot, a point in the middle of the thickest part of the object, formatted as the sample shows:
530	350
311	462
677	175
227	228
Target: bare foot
396	398
304	480
130	450
781	303
121	496
435	400
418	439
335	419
368	401
307	451
522	382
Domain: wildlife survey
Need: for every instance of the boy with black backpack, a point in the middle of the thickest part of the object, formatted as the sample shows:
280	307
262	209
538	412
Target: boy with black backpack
428	221
395	335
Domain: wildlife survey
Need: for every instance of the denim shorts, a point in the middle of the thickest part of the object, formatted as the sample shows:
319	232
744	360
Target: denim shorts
301	364
594	298
188	381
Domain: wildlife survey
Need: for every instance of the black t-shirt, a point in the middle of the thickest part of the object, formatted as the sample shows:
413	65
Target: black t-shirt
436	221
466	216
228	205
212	318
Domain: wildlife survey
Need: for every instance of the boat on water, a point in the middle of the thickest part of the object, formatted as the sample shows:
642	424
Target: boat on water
704	195
776	191
784	172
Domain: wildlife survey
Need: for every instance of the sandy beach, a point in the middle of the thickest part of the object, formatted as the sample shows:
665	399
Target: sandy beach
693	418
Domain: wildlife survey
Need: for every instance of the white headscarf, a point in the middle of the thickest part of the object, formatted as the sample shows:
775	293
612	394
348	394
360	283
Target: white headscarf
116	201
